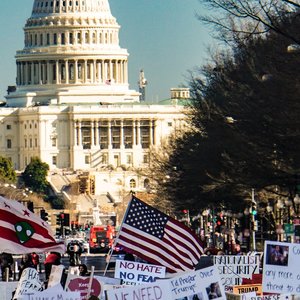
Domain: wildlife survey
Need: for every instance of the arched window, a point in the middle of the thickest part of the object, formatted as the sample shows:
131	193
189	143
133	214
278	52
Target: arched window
79	71
71	71
132	184
87	38
63	72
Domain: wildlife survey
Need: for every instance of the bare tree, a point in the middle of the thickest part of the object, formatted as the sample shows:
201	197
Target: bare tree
236	19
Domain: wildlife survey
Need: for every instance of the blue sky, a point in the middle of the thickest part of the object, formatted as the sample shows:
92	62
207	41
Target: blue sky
163	37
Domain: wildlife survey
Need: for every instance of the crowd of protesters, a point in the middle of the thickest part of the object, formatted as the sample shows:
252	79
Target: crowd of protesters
12	269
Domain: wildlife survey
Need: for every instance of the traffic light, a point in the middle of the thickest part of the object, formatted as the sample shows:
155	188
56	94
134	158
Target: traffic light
59	219
219	223
186	217
44	215
253	209
66	219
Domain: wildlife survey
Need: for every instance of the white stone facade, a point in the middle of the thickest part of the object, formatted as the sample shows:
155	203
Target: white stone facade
73	107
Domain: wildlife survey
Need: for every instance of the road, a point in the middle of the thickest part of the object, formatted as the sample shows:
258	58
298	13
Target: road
96	260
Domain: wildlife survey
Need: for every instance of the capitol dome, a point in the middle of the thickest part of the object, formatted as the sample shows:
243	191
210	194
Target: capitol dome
71	56
46	7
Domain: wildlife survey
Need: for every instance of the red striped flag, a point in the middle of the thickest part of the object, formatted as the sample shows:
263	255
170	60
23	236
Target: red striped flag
158	238
21	231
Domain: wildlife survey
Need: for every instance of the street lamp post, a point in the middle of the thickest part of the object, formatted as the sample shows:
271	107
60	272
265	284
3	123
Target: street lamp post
279	219
269	209
253	219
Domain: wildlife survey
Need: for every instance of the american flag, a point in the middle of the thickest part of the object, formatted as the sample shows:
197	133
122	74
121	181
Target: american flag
21	231
157	238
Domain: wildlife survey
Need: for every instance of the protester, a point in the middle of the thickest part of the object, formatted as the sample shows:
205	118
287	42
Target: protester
129	257
53	258
6	261
26	262
203	241
205	261
74	251
83	271
35	259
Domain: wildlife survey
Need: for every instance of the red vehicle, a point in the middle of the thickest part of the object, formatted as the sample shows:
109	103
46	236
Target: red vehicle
101	238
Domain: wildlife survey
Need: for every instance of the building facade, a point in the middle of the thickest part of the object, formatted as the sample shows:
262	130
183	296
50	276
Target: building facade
72	106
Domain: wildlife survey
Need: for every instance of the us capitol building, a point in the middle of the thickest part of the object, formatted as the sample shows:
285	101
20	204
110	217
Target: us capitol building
72	106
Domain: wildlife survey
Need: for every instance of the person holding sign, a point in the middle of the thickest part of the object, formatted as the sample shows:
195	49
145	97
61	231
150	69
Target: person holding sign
26	262
53	258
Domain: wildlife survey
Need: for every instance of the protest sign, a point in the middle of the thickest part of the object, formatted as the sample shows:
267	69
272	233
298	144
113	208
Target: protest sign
135	272
233	268
269	297
150	291
200	284
281	273
55	275
80	284
6	289
248	288
106	284
28	283
55	293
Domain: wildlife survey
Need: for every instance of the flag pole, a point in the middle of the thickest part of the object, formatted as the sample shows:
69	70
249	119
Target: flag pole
116	239
90	282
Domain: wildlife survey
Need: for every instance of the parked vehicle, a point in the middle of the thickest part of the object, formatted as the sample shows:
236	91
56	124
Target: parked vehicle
101	238
83	244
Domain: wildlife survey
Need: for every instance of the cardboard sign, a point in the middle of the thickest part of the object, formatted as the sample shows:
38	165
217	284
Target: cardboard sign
7	288
281	272
80	284
106	284
268	297
28	283
248	288
55	275
201	284
152	291
233	268
55	293
134	272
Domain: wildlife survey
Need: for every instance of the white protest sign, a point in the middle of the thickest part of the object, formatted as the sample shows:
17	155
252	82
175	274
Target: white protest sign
55	293
55	275
267	297
107	283
7	288
136	272
233	268
80	284
150	291
201	284
281	272
28	283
